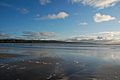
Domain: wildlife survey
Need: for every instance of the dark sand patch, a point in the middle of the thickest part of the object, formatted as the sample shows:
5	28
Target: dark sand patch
40	69
2	55
44	68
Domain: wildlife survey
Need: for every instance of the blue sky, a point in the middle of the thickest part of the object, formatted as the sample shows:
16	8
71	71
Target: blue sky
66	18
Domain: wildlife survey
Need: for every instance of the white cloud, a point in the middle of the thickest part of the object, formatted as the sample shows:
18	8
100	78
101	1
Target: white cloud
60	15
118	21
48	34
23	10
83	23
106	3
44	2
102	18
97	3
76	1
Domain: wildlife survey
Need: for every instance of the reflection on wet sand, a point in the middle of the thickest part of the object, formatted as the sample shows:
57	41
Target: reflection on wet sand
21	63
44	68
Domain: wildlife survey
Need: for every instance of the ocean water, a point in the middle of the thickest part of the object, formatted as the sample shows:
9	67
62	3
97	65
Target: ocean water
61	61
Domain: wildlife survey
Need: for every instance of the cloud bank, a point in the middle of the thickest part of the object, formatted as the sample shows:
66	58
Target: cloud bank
97	36
100	36
39	35
6	36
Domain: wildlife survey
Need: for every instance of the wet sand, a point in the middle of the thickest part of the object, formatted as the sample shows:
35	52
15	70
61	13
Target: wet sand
44	68
54	68
40	69
26	63
4	55
108	72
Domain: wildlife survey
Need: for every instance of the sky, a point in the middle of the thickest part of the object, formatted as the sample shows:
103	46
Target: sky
42	19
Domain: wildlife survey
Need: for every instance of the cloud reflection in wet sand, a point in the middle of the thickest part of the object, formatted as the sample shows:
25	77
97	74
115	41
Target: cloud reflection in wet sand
62	63
108	53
